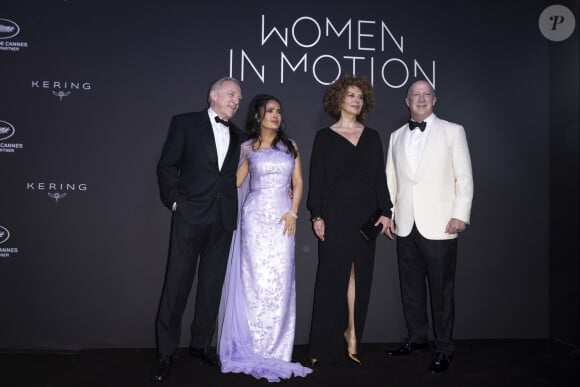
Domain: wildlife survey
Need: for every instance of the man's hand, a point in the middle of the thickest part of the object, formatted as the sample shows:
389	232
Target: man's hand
455	226
388	226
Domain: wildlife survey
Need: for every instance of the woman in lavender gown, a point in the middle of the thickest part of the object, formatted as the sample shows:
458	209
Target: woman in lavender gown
258	307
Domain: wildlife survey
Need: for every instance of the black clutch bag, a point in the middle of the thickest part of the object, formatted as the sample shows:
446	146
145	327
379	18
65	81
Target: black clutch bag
368	230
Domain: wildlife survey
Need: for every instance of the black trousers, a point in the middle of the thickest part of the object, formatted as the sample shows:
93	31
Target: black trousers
423	261
210	245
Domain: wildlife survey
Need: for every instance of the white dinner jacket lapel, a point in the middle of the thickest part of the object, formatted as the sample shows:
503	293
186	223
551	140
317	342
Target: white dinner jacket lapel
432	146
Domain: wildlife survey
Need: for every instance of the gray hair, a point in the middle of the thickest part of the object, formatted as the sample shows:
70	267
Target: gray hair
218	84
421	80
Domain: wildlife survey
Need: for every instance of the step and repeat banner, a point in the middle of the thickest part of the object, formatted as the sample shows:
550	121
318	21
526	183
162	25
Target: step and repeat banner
87	89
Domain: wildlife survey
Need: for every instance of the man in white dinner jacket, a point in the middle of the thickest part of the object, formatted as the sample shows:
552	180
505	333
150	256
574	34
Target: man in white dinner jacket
431	185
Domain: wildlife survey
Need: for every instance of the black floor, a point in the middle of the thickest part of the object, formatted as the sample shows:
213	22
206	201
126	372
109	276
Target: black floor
485	363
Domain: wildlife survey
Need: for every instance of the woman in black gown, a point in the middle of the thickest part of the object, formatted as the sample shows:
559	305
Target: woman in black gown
347	186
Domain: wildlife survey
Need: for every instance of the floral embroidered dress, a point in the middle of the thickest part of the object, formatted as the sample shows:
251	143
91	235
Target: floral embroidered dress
258	308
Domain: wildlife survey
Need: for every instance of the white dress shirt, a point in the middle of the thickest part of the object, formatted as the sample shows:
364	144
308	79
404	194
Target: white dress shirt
221	133
415	142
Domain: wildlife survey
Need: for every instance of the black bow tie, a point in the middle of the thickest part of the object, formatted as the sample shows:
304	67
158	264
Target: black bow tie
220	121
420	125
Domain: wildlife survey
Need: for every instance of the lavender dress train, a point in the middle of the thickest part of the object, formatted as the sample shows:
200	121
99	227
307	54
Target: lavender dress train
258	306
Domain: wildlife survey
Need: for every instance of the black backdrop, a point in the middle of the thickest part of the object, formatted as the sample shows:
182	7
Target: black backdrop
87	91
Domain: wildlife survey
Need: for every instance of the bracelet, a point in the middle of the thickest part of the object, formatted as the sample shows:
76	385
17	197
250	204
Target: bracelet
316	219
295	215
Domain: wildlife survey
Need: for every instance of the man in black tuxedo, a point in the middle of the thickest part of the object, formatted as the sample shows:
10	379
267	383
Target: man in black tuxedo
197	182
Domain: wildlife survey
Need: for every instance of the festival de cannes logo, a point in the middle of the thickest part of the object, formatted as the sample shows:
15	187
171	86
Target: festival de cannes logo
4	234
6	251
6	130
8	29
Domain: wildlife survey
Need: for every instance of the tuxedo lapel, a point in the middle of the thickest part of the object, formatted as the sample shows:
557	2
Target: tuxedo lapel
401	150
209	141
234	142
432	146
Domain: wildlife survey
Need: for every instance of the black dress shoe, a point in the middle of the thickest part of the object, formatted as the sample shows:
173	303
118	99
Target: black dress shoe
441	362
207	356
406	348
160	370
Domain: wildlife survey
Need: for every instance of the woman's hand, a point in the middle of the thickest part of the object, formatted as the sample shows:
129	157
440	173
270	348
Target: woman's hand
318	226
388	226
289	224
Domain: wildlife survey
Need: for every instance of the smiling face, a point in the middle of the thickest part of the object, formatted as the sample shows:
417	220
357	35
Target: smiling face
353	101
420	100
225	99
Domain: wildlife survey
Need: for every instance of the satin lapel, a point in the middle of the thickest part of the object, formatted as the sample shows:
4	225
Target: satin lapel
234	142
209	140
401	154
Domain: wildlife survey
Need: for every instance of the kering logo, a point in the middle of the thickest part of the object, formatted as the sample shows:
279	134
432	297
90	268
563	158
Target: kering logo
8	29
62	89
56	191
4	234
56	196
61	94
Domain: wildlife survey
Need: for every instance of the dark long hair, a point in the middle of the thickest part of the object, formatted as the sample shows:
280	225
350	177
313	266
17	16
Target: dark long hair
256	112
